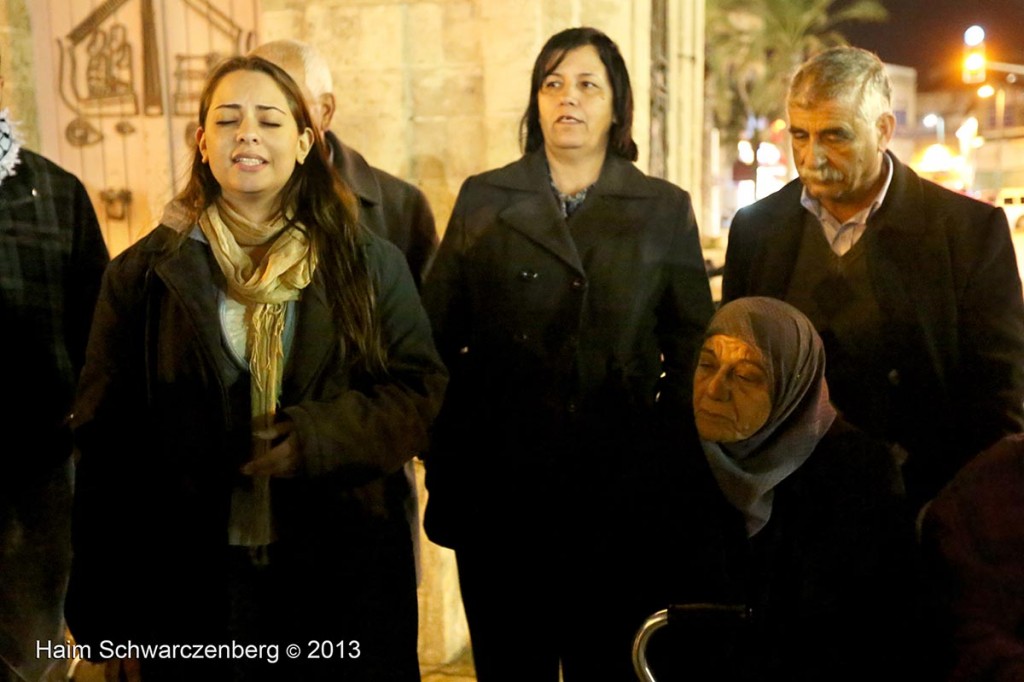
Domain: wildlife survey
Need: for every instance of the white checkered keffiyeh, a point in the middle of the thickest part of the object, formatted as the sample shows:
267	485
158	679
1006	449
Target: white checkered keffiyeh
10	145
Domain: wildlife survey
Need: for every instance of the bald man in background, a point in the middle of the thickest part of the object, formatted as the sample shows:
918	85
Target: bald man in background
392	208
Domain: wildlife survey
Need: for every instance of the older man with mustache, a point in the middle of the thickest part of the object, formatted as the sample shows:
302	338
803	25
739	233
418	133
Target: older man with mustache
913	288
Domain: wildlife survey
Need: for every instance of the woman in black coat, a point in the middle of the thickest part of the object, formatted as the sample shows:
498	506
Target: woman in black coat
793	514
567	300
253	387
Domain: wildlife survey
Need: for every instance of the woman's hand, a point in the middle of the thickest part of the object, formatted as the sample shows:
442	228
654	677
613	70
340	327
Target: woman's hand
282	457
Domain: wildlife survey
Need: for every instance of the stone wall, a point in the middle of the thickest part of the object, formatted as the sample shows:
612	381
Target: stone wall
17	70
433	90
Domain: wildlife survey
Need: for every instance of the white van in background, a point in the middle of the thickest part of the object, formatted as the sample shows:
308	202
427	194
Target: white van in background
1011	199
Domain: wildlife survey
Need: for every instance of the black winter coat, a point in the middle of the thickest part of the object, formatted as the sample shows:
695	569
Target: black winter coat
830	582
561	337
163	425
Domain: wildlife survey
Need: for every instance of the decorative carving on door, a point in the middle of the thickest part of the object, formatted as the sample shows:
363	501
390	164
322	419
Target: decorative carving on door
128	74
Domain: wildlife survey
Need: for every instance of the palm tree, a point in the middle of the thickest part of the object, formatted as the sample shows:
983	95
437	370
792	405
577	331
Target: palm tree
753	47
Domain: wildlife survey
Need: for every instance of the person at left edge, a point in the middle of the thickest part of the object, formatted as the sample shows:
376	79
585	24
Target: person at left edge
52	257
568	299
252	389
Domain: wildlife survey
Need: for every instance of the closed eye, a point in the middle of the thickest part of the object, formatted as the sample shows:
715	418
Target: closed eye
837	137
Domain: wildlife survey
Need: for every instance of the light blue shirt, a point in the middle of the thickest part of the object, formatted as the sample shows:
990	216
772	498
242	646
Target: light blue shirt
842	236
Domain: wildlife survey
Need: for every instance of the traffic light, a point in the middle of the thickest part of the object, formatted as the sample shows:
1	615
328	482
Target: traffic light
974	56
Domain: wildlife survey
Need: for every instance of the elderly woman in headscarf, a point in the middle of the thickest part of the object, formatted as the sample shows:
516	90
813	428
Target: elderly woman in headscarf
802	519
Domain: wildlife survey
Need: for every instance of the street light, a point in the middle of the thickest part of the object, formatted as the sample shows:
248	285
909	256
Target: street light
985	92
937	122
967	134
974	55
976	63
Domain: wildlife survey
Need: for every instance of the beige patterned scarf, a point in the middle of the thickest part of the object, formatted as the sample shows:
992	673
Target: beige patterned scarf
265	288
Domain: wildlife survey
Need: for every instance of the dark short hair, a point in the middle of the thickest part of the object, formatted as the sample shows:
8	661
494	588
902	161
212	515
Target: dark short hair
620	137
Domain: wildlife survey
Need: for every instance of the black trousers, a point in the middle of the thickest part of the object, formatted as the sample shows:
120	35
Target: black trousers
531	612
345	608
35	560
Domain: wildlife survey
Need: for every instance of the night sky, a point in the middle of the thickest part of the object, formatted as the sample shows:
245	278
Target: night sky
928	35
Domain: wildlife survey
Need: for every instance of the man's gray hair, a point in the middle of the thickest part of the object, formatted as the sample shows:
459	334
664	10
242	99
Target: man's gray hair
839	72
317	72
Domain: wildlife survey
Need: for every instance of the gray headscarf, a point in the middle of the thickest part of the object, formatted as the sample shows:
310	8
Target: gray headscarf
747	471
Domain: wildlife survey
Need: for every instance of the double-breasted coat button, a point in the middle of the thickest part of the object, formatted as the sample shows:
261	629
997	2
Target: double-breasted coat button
578	284
528	275
894	377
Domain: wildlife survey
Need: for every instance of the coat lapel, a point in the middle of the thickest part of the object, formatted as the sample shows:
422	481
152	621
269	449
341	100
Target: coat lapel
192	275
354	170
782	232
535	213
315	339
902	259
616	205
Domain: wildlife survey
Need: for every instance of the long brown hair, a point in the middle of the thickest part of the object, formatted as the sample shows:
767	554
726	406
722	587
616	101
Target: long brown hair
321	203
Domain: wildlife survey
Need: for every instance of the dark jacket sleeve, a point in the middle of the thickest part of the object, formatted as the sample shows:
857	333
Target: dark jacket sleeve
973	536
737	256
372	427
89	258
682	316
408	222
111	436
422	235
857	597
445	297
991	310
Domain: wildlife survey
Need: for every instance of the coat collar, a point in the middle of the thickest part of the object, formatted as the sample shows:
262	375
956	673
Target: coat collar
314	343
354	170
901	210
535	212
619	177
897	220
192	275
902	261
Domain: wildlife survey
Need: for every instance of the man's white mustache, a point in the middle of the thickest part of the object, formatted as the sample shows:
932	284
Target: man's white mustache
826	175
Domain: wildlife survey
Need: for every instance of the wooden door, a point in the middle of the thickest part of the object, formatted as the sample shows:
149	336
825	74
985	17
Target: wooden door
118	87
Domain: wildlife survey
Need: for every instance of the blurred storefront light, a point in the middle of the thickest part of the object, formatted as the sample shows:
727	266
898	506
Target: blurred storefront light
745	152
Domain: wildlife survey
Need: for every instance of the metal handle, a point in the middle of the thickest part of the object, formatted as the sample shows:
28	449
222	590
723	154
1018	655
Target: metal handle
660	619
653	623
